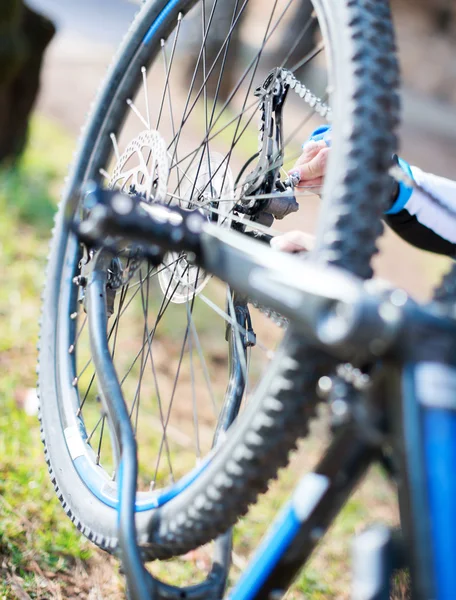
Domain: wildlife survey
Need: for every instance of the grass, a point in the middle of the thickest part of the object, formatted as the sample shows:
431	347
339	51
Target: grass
42	554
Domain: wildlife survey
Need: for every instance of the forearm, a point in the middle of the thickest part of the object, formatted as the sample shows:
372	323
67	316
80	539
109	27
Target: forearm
419	220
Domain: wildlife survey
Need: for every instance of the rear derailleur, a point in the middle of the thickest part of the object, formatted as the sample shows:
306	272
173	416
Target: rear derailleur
264	196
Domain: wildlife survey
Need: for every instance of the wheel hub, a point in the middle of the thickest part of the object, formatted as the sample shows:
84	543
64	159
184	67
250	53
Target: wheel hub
208	188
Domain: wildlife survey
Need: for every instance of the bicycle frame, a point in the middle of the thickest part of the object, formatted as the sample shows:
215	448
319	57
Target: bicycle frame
346	318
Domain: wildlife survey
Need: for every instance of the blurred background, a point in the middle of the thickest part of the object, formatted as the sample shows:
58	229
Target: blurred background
69	46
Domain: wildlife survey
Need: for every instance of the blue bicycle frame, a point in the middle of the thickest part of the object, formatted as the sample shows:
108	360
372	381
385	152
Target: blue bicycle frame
411	406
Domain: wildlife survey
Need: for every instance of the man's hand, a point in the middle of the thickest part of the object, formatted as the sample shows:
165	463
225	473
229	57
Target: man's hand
309	172
310	167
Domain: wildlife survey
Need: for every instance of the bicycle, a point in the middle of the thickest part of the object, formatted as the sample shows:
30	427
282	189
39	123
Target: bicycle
339	318
204	502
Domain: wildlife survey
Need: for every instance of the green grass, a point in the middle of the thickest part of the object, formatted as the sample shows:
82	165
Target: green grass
42	554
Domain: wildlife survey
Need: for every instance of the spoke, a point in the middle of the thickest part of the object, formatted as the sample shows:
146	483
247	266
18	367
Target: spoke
149	355
94	429
168	414
304	61
71	348
170	104
123	295
160	407
81	406
176	35
184	174
115	146
146	95
137	113
203	24
222	313
164	305
229	154
79	375
187	112
100	440
298	40
192	377
176	139
137	397
204	365
208	138
206	150
222	67
137	285
258	58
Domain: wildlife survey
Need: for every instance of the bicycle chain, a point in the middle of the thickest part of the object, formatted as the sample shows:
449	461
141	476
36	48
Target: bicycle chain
288	79
272	315
353	376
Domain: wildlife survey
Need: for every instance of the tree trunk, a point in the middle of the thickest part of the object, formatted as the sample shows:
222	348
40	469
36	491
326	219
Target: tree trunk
24	36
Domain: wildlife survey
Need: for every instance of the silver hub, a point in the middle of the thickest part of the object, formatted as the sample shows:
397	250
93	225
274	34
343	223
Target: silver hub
207	187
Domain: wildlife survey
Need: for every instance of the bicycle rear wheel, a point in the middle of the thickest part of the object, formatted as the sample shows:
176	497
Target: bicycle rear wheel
143	140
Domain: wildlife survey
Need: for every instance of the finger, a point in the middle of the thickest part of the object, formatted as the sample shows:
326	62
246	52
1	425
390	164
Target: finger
310	183
309	151
292	241
314	168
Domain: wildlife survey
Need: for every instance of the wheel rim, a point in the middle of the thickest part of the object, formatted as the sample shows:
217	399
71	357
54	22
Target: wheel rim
67	333
140	289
